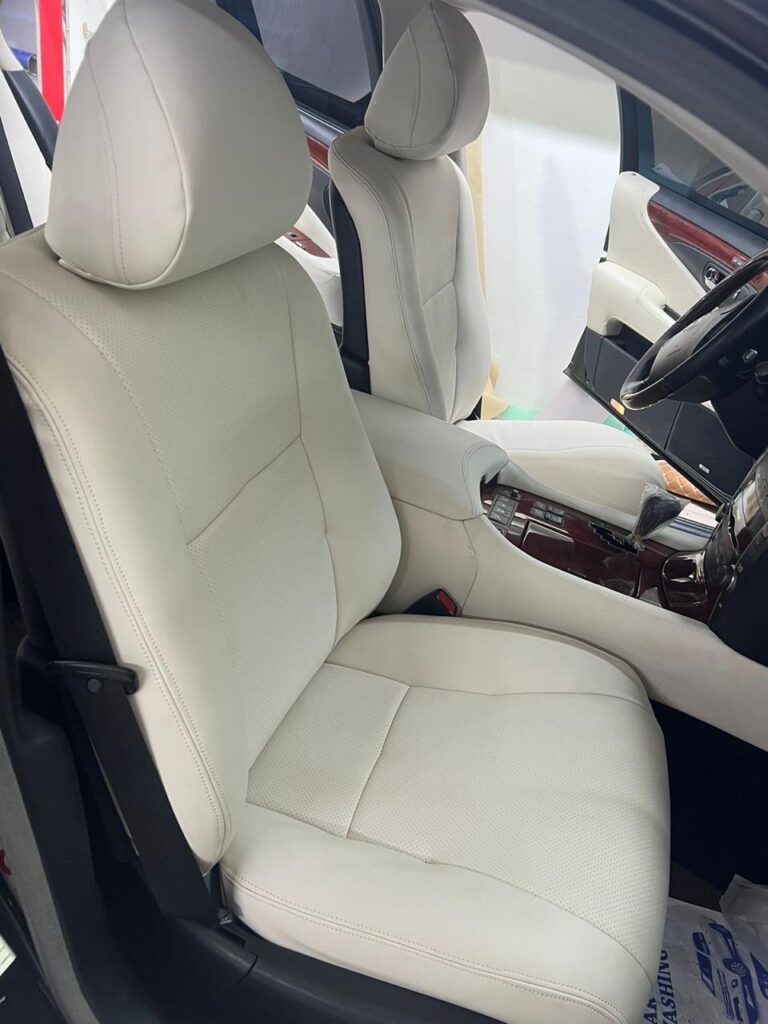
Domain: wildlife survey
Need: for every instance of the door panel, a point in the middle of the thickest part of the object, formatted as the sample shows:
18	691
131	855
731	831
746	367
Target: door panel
662	283
680	222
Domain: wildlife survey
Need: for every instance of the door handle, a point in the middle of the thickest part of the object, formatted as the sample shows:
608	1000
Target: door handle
712	275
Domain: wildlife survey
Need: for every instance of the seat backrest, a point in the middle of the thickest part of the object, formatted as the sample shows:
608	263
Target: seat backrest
184	384
428	343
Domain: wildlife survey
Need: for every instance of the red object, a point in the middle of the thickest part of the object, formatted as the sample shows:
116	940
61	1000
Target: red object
318	151
447	602
51	21
674	228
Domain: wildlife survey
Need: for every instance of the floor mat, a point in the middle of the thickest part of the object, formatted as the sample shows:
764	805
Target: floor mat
713	968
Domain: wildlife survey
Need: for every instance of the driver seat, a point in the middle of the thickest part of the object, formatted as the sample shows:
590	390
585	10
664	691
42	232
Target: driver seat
471	810
427	329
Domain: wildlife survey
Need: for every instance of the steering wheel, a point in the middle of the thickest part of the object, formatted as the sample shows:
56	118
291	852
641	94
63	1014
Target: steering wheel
708	347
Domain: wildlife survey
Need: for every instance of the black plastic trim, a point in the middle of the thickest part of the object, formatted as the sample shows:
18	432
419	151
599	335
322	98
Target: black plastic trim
243	978
10	186
35	111
354	338
662	426
715	778
47	778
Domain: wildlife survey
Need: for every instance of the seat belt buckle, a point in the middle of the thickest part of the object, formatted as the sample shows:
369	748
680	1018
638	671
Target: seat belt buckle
438	602
95	677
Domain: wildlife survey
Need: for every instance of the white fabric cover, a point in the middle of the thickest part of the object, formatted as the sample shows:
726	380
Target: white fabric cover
432	97
463	808
450	805
589	463
153	178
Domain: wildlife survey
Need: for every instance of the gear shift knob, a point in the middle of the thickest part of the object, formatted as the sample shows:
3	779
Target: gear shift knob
657	508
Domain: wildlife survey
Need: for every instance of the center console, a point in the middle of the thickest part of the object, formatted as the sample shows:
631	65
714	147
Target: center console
697	584
579	544
724	584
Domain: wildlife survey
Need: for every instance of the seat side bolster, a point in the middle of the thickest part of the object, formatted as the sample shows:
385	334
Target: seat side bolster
473	342
271	875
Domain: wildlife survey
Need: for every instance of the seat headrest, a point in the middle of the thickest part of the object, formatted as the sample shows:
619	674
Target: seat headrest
432	97
180	148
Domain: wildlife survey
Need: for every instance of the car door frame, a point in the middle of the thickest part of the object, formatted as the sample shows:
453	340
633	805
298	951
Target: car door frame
691	438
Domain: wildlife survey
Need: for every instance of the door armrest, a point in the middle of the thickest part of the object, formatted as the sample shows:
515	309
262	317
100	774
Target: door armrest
427	462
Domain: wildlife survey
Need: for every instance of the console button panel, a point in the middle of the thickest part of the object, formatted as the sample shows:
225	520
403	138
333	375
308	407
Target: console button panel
589	548
503	507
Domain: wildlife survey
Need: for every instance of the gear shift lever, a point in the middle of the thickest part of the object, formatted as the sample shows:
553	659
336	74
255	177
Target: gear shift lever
657	508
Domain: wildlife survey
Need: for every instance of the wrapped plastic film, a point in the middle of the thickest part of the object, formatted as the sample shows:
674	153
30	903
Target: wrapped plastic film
657	508
714	966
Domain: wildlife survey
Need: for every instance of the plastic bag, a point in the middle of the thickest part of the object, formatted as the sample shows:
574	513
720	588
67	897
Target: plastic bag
657	508
745	906
714	966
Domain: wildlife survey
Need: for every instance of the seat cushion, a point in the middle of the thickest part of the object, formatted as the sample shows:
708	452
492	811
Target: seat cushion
582	463
470	809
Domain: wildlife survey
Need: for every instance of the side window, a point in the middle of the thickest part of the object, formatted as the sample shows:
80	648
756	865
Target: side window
329	52
667	155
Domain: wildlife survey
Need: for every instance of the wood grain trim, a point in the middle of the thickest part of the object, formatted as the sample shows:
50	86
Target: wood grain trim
318	152
304	242
674	228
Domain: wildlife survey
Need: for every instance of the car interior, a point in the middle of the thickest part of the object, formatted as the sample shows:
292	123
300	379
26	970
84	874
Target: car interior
325	697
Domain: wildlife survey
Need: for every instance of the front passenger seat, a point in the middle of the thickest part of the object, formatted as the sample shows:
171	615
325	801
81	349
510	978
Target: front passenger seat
471	810
427	329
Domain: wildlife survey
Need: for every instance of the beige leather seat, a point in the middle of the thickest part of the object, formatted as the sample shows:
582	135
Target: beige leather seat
427	327
468	809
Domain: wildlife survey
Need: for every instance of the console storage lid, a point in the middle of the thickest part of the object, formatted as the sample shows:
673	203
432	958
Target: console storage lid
427	462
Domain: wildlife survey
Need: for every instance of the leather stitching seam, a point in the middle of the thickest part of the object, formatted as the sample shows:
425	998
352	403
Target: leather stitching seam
115	199
111	362
277	266
454	106
329	921
231	501
395	267
113	569
380	753
512	693
177	151
472	450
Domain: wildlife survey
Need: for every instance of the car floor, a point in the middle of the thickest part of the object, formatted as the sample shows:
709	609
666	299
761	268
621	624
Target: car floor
690	888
